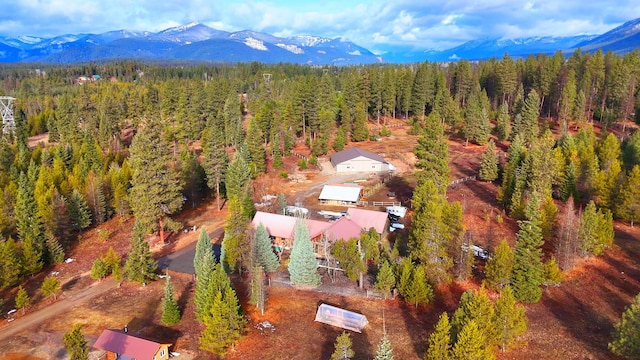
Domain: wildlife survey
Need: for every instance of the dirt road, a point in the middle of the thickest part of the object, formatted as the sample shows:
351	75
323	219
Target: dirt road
69	300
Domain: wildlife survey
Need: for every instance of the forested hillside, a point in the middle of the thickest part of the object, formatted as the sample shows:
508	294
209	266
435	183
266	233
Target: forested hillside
148	139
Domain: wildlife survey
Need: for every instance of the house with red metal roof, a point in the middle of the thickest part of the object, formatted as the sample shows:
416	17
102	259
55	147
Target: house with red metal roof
120	345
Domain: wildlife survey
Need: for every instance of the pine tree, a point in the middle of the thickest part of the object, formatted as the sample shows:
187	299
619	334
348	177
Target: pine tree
528	271
499	267
155	186
99	269
528	128
140	265
552	273
76	344
384	352
255	149
79	213
470	344
503	123
628	207
29	226
478	307
257	293
303	269
626	334
596	230
509	318
350	258
215	159
50	286
440	340
207	285
223	322
489	163
204	256
22	299
95	198
11	263
340	141
419	291
385	279
54	249
342	346
170	310
264	250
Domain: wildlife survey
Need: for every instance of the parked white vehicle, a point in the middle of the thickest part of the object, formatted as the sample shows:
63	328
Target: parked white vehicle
397	210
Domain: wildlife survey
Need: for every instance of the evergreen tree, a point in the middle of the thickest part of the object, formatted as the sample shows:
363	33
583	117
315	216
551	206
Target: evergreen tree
499	267
215	159
170	310
257	294
626	334
489	163
54	249
238	175
207	285
552	273
475	306
79	213
255	149
140	265
155	186
528	128
50	286
503	123
385	279
509	318
419	291
350	258
342	346
596	230
264	250
340	141
96	201
22	299
432	153
203	259
628	207
29	226
76	344
528	271
384	352
236	243
223	322
360	132
11	263
440	340
470	344
303	269
99	269
569	189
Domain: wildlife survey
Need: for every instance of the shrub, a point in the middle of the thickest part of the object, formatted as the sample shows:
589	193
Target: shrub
284	174
302	164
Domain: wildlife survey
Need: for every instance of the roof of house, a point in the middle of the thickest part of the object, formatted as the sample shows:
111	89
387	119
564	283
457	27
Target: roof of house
352	153
283	226
343	228
119	342
367	219
340	192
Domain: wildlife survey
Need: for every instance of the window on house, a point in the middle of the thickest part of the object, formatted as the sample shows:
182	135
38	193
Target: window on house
162	352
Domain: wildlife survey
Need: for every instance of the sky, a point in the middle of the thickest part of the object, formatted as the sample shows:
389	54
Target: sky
375	25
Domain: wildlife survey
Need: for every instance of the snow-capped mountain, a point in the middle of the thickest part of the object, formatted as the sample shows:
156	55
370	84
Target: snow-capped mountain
198	42
193	41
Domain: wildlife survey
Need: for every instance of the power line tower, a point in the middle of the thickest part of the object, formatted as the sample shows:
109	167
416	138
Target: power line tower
6	108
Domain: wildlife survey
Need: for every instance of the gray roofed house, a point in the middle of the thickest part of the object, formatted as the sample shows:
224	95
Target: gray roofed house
355	159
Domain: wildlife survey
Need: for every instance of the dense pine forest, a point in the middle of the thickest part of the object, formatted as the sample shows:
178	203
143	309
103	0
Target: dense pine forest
149	139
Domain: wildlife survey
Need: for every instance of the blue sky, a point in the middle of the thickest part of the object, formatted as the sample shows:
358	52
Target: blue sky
376	25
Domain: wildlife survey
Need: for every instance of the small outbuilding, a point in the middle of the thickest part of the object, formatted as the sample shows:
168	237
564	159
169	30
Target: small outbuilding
344	195
342	318
358	160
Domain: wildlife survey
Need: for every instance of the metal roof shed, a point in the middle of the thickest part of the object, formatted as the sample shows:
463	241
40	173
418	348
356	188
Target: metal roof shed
340	193
342	318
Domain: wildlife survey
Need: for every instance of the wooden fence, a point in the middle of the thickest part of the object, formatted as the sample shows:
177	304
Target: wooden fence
462	180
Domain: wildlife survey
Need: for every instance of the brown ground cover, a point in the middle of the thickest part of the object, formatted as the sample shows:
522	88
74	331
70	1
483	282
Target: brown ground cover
572	321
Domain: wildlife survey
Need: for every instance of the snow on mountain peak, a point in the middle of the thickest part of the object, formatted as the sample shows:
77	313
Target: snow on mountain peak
291	48
180	28
308	40
255	44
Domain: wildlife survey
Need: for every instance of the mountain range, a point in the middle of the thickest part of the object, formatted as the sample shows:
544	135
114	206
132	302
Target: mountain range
198	42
